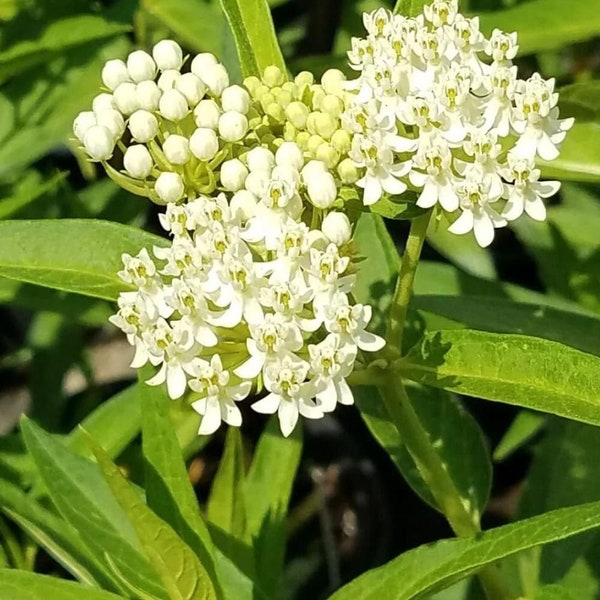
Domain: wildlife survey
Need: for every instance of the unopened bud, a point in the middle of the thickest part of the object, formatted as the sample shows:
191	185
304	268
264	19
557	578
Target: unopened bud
113	120
260	159
169	187
206	114
233	174
348	172
201	62
251	84
302	139
328	154
192	87
83	121
125	98
314	141
141	66
297	113
341	141
173	105
138	161
168	55
275	112
289	154
273	76
168	79
336	226
304	78
148	95
216	78
103	102
176	149
321	188
204	143
333	81
99	142
332	105
325	125
243	205
143	126
233	126
114	72
236	98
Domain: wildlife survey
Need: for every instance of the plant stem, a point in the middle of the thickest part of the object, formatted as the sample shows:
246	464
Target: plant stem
434	473
406	278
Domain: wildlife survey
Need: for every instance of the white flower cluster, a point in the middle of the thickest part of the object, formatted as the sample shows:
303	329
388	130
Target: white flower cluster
430	115
247	296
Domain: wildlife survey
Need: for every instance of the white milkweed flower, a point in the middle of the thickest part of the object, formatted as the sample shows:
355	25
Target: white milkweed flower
141	66
167	54
137	161
169	187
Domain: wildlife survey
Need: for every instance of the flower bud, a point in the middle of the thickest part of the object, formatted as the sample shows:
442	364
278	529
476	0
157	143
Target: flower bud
314	141
169	187
176	149
289	154
336	226
138	161
275	112
257	181
289	132
216	78
83	121
243	205
192	87
333	81
252	83
114	72
321	188
173	105
148	95
233	126
236	98
204	143
140	66
168	55
125	98
201	62
206	114
260	159
297	113
143	126
273	76
348	172
233	174
318	95
168	79
325	125
341	141
283	97
99	142
304	78
332	105
302	139
103	102
113	120
312	167
328	154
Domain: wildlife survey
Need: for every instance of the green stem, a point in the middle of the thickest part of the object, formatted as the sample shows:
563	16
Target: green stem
434	474
406	278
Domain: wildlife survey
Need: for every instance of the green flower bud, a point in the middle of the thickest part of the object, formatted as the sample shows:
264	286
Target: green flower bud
333	81
329	155
273	76
302	139
291	87
311	122
313	143
275	112
260	91
252	83
332	105
266	100
341	141
348	172
326	125
318	94
283	98
289	132
297	113
304	78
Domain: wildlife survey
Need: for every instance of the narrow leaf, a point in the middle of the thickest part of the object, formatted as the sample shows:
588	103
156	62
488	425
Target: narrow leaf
254	34
525	371
73	255
433	567
182	574
525	425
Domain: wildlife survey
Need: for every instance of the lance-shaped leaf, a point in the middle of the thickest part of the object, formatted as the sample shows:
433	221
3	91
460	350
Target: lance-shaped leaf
516	369
74	255
182	574
433	567
254	34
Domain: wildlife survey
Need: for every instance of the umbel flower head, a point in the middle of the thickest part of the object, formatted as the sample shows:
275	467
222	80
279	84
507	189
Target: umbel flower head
253	296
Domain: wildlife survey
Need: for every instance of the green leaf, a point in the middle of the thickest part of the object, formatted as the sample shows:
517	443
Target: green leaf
569	23
226	507
59	539
254	34
515	369
579	158
13	204
81	256
554	592
433	567
116	422
169	492
182	574
410	8
267	495
580	100
505	316
23	585
524	426
62	35
198	24
452	431
81	495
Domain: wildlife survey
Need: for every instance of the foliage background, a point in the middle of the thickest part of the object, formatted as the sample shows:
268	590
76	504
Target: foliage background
351	509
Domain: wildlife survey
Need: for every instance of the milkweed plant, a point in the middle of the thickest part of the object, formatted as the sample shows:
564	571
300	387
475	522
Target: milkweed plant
263	293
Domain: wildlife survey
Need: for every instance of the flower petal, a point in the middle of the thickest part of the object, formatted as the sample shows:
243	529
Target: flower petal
288	416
